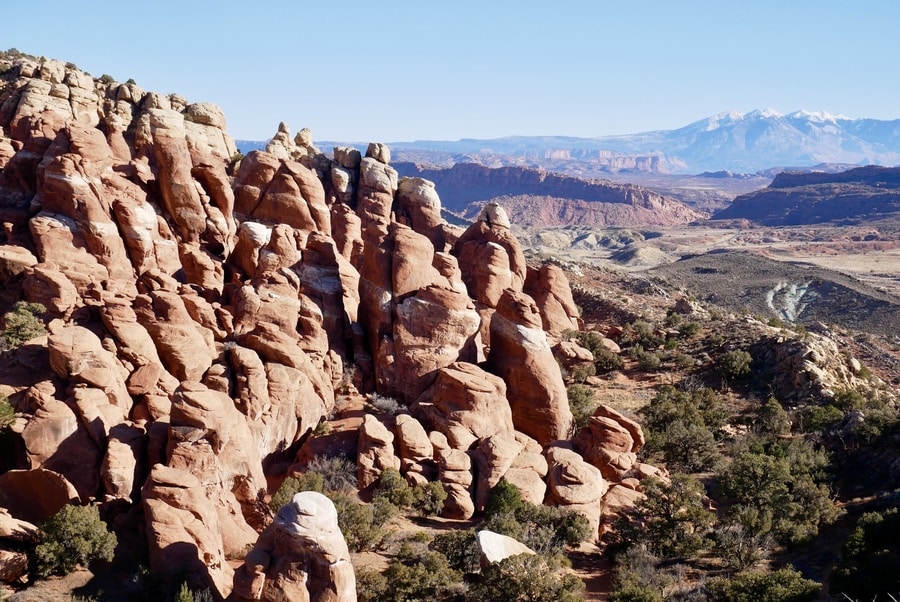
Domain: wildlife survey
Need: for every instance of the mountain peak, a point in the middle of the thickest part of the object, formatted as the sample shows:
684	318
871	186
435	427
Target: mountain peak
817	116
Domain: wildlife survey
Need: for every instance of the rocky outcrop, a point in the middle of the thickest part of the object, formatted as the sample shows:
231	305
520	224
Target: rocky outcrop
202	312
495	547
610	441
465	404
302	555
13	558
521	355
183	531
549	288
375	451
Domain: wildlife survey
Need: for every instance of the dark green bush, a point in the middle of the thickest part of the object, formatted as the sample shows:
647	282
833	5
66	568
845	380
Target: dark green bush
363	524
772	420
608	361
7	412
428	498
424	576
73	536
735	364
460	548
392	486
783	585
648	361
817	419
526	578
780	489
870	559
671	522
22	324
689	329
581	404
544	529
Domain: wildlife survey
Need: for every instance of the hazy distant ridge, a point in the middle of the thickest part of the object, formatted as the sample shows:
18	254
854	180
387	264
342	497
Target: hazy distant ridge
746	143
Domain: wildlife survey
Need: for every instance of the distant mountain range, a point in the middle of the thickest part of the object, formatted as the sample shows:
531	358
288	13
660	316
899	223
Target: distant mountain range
743	143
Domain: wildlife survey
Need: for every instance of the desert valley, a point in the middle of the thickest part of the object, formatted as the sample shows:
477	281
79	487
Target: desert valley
536	369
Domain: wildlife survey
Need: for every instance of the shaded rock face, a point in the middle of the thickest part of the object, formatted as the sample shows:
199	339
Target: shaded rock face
301	556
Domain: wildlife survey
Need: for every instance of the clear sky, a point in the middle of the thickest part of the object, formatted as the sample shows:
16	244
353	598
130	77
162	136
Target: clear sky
401	70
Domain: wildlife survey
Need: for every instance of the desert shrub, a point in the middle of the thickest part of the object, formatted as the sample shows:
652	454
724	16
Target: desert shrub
324	474
637	576
684	361
562	527
647	360
185	594
635	593
689	329
735	363
817	419
383	404
590	340
338	473
581	372
870	558
780	489
544	529
428	498
423	576
689	447
370	584
526	578
849	399
604	359
505	498
460	548
22	324
363	524
425	499
392	486
607	361
680	425
107	79
643	334
701	406
783	585
671	522
7	412
73	536
581	404
772	420
740	548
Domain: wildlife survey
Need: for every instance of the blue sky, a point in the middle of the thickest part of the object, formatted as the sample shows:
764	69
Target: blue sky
405	70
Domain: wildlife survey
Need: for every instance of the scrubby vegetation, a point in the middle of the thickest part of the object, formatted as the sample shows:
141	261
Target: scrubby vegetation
22	324
73	536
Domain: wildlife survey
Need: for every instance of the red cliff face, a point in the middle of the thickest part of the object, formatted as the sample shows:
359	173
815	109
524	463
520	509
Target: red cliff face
538	198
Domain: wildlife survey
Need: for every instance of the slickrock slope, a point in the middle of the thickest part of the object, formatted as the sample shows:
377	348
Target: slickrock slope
203	308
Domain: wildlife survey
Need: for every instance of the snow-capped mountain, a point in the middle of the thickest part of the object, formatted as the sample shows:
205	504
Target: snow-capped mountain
738	142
